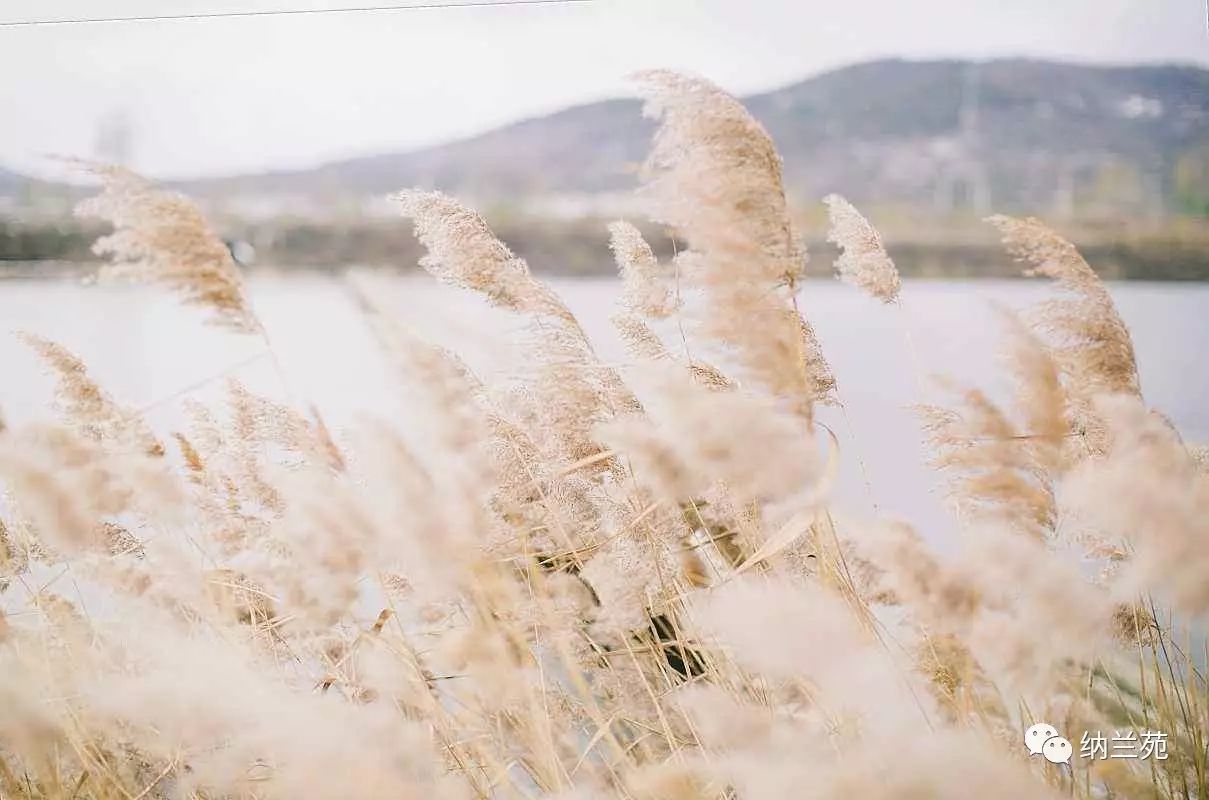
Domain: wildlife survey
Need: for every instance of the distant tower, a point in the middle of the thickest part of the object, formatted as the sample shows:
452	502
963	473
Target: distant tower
970	86
971	141
114	142
963	182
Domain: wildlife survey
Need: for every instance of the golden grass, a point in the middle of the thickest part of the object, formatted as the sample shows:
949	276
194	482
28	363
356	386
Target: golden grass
615	584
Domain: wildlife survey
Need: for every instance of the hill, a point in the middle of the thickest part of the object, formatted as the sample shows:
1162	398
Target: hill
1012	135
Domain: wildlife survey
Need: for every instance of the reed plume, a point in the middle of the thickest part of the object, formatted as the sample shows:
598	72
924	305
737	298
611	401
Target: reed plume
1161	497
87	406
573	388
161	237
714	176
863	262
999	466
1089	338
646	295
645	289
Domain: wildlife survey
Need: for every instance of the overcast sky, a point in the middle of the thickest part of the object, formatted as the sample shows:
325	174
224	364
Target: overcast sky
248	94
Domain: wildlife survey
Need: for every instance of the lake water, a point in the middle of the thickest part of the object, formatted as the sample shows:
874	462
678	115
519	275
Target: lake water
149	352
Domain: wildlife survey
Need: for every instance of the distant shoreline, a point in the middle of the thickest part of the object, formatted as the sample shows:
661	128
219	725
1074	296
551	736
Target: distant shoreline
921	248
38	271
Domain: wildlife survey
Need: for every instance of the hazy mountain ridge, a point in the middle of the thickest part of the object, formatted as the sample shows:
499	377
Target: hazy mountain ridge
933	136
1011	135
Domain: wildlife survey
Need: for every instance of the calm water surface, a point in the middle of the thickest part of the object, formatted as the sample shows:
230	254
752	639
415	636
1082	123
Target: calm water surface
150	353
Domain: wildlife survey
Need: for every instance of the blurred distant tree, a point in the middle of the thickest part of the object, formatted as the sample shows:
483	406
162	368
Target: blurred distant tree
1192	181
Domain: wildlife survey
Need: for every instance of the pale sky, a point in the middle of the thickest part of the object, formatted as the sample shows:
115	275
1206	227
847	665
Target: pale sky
248	94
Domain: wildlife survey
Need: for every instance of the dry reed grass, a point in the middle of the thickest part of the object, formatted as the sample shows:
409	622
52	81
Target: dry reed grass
578	589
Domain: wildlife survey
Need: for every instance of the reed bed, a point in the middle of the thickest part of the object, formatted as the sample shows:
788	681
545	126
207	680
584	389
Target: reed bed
607	582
